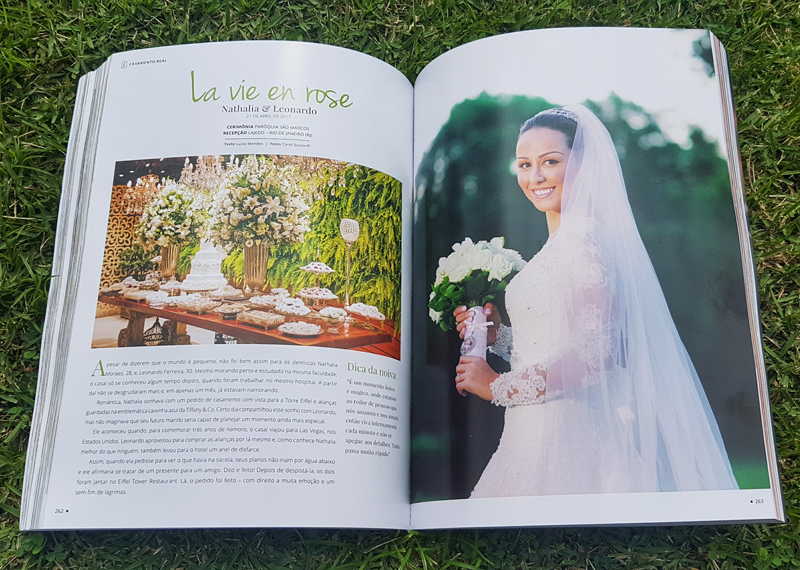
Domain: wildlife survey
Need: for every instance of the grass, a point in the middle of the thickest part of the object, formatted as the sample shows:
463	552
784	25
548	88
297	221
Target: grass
46	45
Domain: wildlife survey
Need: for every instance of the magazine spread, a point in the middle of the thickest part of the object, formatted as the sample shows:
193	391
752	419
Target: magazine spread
528	280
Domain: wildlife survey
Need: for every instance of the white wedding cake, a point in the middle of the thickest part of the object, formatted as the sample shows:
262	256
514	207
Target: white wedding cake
206	274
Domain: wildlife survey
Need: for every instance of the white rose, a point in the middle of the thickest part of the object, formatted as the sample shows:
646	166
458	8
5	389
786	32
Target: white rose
469	256
458	271
440	275
435	316
447	264
516	260
464	244
483	259
499	267
496	244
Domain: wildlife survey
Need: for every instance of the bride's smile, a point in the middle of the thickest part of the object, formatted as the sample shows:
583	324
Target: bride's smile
544	192
542	156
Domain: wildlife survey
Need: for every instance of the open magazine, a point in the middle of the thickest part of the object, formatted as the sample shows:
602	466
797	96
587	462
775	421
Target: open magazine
284	279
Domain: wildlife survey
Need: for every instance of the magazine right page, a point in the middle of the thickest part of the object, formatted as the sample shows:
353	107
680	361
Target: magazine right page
586	334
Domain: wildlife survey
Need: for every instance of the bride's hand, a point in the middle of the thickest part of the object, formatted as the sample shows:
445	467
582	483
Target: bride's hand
492	315
474	375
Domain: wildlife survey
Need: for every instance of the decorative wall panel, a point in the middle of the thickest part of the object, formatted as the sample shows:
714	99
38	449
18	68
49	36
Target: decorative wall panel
119	237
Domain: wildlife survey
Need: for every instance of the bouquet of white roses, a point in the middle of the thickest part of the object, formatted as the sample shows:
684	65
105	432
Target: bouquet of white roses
258	202
473	275
171	217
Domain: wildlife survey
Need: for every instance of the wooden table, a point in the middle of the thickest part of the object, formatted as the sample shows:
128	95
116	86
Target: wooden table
133	335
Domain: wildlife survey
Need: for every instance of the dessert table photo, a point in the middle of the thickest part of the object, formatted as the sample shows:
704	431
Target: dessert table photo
260	249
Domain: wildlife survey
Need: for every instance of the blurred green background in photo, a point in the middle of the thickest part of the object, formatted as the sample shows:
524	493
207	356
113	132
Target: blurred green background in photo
681	198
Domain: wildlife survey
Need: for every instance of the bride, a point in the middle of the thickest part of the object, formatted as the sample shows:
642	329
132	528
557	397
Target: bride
602	396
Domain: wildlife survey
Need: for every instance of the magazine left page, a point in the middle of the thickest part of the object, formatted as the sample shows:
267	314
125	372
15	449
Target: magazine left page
224	345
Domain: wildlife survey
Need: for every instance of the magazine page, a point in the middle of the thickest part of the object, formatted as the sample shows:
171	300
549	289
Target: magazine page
58	283
574	186
233	351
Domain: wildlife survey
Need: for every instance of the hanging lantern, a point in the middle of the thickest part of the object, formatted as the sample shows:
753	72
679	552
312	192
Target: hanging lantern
154	335
220	338
350	231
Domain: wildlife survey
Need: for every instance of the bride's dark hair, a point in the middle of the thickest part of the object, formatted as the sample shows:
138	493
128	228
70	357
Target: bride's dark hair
558	119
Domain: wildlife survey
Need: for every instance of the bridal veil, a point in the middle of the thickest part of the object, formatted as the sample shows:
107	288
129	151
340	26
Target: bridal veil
626	406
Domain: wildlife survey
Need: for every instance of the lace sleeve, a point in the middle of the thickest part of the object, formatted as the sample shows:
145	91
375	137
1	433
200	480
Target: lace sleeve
526	386
504	343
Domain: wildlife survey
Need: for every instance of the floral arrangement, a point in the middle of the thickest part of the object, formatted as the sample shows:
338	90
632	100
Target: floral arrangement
473	275
171	217
258	202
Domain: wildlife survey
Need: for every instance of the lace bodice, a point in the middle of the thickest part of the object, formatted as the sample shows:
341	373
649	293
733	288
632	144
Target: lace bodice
558	306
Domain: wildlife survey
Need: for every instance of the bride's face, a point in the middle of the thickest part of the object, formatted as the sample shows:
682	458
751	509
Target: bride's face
542	156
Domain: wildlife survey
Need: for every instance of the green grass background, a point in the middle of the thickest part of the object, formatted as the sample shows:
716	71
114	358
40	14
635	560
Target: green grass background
46	45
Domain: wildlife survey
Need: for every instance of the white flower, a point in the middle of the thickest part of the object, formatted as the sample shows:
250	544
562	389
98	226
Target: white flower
500	267
469	257
435	316
464	244
516	260
482	259
243	197
458	271
446	265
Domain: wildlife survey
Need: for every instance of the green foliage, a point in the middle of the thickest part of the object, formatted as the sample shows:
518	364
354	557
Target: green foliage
135	261
355	192
185	258
477	288
47	46
233	267
371	198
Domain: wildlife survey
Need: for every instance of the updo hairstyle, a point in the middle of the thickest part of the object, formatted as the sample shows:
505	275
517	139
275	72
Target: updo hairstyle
557	119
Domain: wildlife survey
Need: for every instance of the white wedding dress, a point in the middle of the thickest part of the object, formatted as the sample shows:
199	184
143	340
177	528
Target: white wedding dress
602	396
